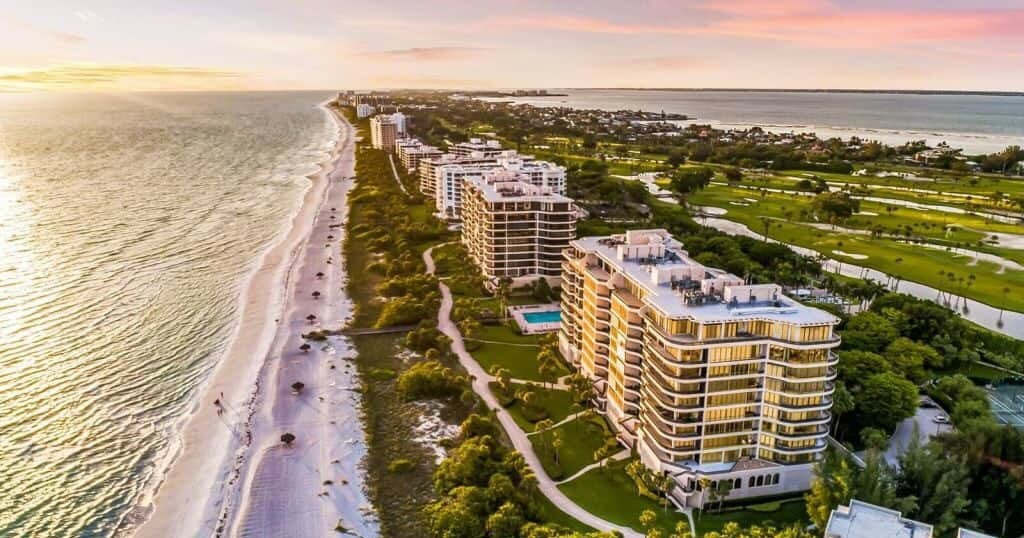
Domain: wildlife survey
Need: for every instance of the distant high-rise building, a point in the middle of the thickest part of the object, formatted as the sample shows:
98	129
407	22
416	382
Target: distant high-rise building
364	110
450	178
383	132
515	229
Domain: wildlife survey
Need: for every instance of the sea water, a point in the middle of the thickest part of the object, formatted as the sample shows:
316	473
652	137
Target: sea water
128	226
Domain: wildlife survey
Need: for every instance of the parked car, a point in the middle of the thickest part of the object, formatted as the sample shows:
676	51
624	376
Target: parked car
940	419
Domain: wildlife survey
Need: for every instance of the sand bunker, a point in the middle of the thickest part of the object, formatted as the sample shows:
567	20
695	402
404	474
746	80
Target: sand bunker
850	255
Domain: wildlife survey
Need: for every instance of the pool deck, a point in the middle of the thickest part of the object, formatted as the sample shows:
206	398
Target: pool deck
518	314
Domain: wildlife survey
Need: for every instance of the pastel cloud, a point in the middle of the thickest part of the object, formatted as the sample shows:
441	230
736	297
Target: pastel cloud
580	24
425	54
658	63
76	76
874	29
806	22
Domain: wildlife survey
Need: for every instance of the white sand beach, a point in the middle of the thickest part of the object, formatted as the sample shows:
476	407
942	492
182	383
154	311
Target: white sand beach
232	475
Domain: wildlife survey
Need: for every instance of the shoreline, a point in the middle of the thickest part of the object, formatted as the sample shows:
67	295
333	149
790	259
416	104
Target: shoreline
196	494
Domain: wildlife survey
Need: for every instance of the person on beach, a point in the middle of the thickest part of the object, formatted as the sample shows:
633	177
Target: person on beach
220	407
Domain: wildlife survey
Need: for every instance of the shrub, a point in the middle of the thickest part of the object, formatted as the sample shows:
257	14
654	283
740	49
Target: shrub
429	379
381	374
401	465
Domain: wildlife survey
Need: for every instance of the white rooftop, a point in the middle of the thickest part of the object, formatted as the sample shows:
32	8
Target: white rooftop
681	287
964	533
863	520
501	185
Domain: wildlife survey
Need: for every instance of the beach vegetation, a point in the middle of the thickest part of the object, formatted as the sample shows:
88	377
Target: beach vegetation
486	490
430	379
401	465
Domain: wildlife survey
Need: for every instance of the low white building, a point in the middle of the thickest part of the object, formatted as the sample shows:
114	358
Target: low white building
488	148
865	520
411	152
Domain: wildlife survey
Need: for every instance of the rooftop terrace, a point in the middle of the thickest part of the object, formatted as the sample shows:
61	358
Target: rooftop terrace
681	287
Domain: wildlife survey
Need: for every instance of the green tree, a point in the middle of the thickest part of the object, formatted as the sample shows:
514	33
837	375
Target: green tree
910	358
648	518
505	523
868	331
842	403
939	484
874	439
832	486
855	366
675	159
885	400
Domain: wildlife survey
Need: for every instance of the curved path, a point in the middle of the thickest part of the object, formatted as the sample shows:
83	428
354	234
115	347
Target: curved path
519	440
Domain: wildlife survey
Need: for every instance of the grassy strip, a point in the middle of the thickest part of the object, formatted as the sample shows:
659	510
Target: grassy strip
777	514
611	494
555	405
580	437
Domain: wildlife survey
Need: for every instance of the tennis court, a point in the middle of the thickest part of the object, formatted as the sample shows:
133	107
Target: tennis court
1007	401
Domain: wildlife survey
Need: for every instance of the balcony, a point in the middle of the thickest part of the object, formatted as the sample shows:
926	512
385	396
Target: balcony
815	433
816	447
822	418
647	392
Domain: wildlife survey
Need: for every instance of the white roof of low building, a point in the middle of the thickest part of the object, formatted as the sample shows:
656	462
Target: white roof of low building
863	520
965	533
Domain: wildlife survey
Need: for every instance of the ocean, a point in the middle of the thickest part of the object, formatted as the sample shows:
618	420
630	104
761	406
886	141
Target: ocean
128	226
976	123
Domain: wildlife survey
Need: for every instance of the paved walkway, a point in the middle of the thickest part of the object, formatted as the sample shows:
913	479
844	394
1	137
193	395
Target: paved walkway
394	171
618	456
520	442
565	420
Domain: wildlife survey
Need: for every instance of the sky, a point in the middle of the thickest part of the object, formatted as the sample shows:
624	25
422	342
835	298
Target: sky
110	45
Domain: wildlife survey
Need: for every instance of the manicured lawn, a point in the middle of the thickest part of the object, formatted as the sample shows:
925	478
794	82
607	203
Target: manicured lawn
580	438
611	494
507	349
555	402
550	513
788	512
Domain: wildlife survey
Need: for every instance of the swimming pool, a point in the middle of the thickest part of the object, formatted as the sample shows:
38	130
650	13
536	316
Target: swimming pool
551	316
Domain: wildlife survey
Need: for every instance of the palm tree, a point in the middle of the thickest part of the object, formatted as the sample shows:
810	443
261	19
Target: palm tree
999	323
287	439
896	287
320	275
316	295
311	318
305	348
297	387
503	292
